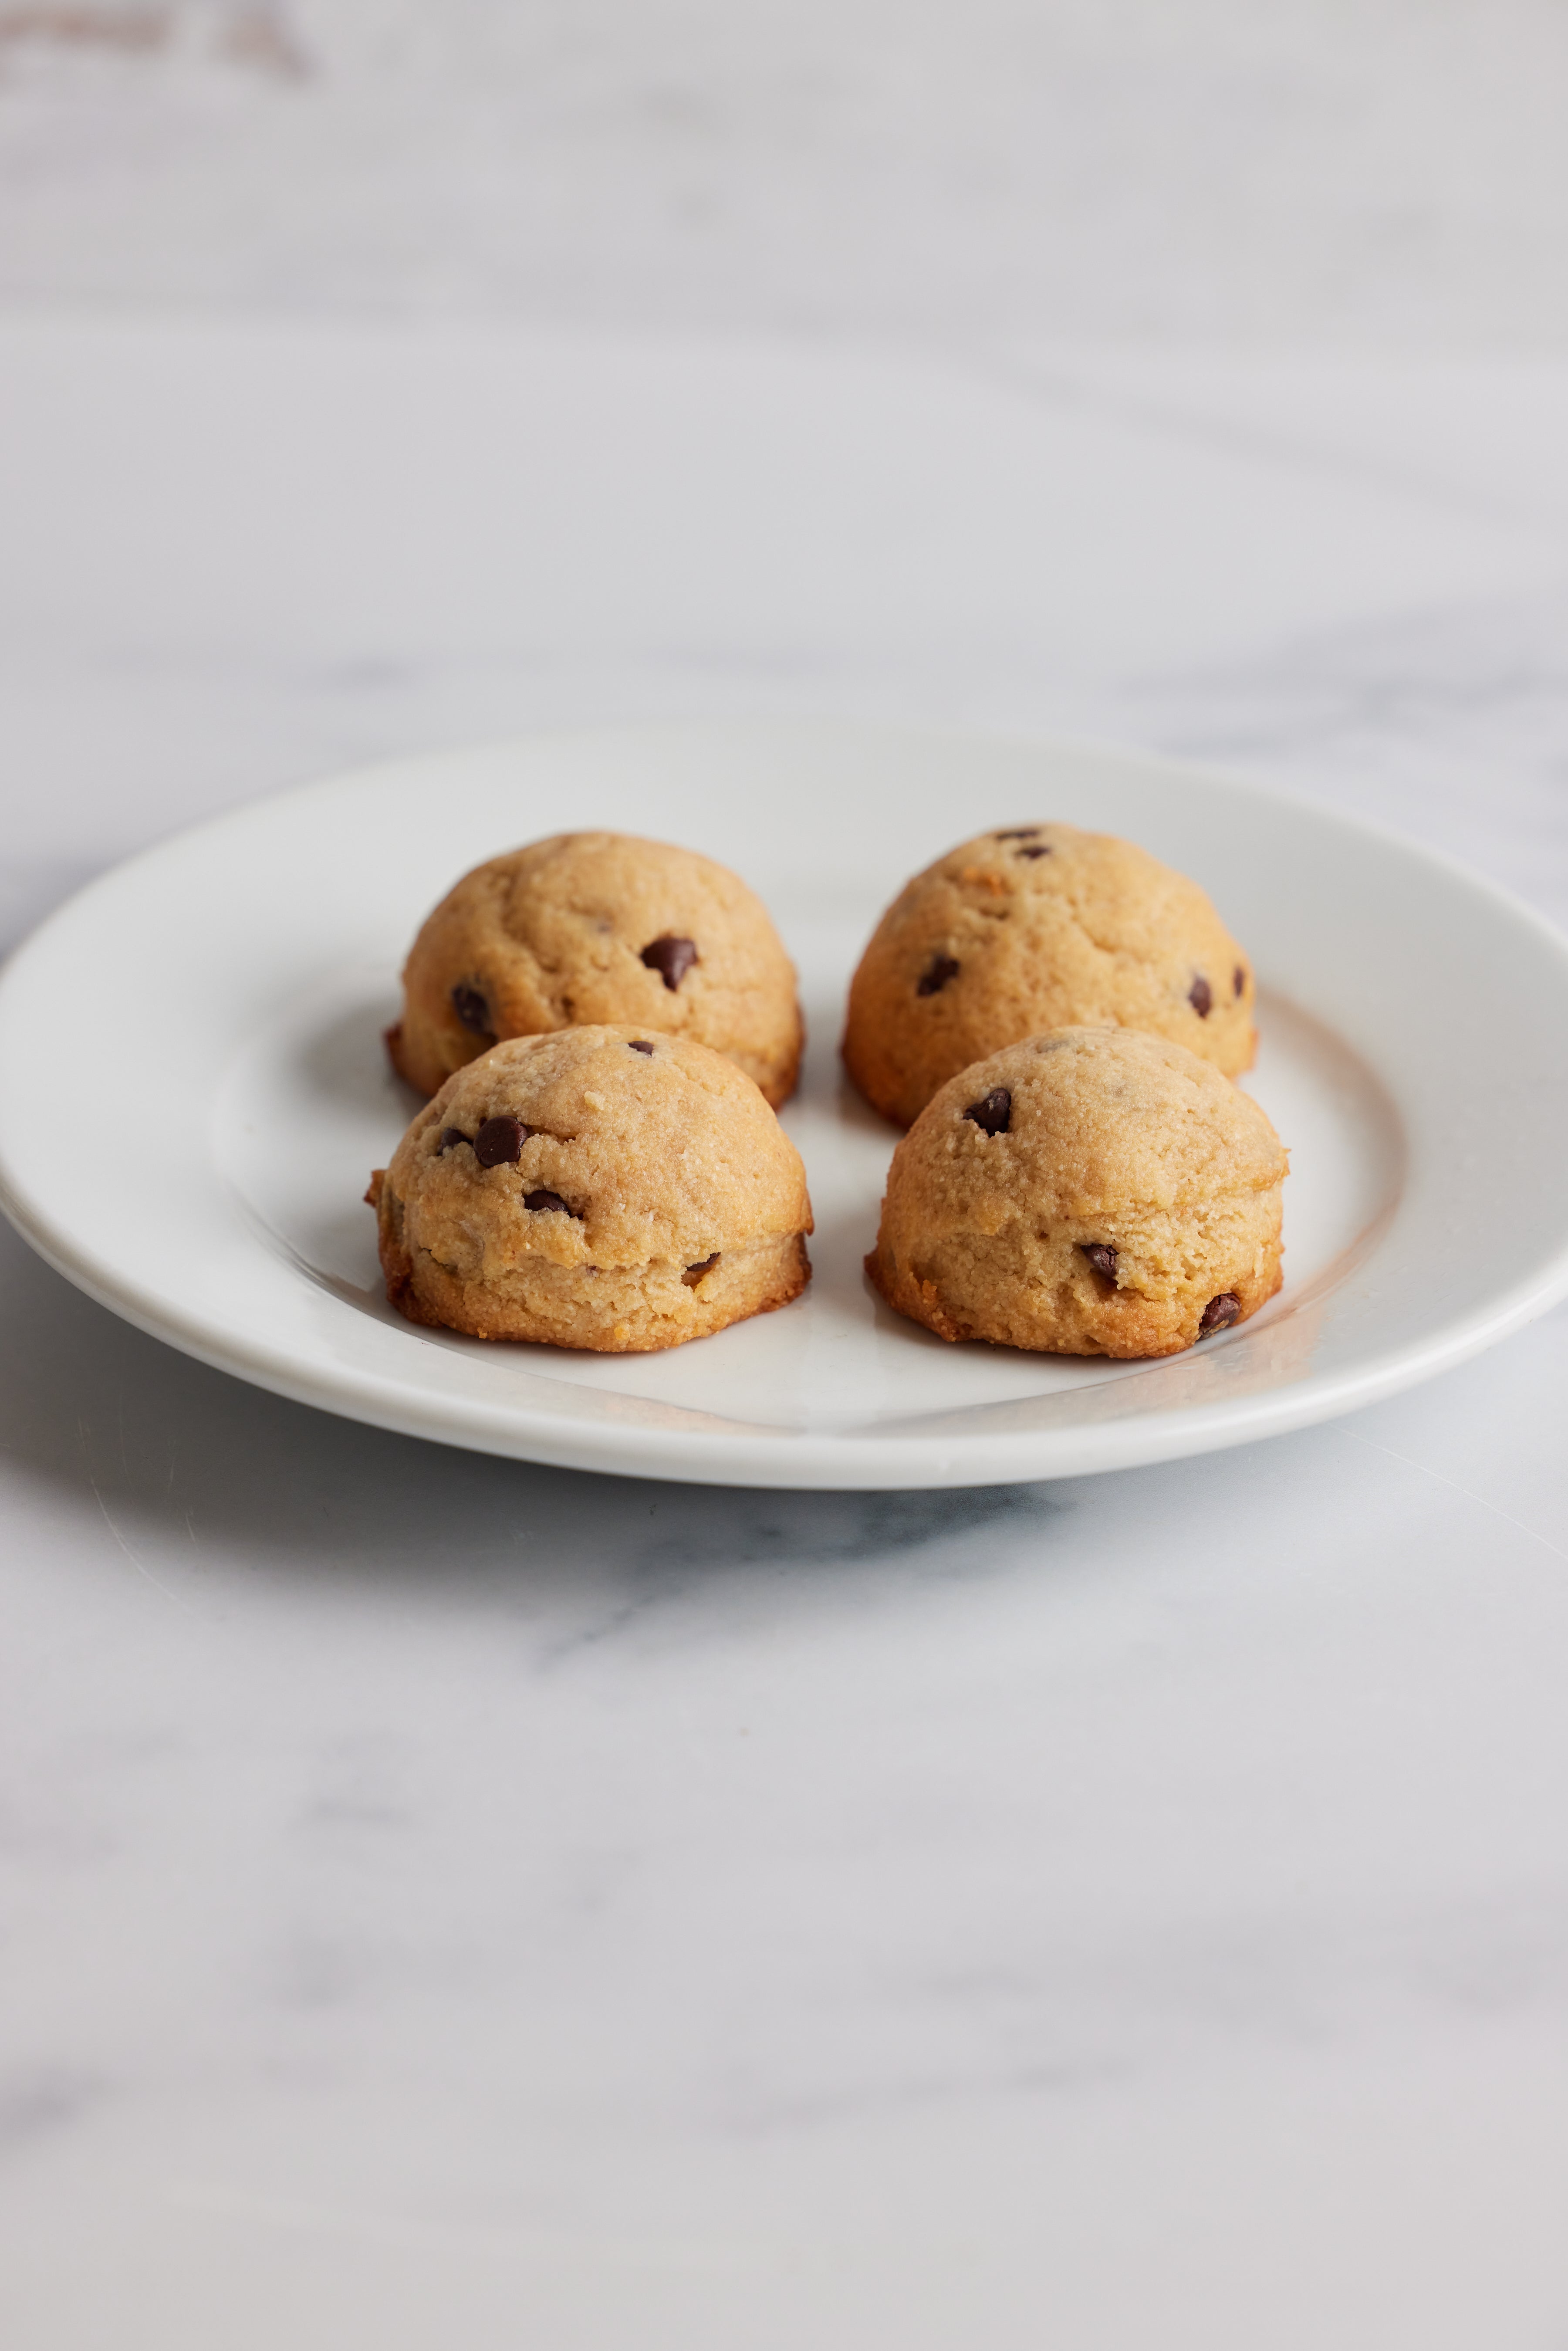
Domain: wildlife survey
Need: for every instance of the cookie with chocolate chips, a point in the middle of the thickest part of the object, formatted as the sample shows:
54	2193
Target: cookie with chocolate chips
1096	1191
1032	927
599	926
595	1187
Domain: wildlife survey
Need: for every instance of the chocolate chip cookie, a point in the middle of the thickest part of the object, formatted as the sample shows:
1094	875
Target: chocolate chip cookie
597	1187
599	926
1091	1192
1032	927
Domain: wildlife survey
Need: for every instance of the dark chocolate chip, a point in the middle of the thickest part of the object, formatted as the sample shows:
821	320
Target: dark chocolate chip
641	1045
693	1273
1044	851
450	1136
1018	832
548	1200
1240	978
670	958
472	1009
935	975
1219	1313
499	1141
991	1116
1100	1257
1200	996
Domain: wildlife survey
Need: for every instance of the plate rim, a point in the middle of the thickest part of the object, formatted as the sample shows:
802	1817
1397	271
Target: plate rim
799	1458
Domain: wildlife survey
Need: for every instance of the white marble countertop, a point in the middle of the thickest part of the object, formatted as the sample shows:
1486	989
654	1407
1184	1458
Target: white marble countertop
956	170
453	1904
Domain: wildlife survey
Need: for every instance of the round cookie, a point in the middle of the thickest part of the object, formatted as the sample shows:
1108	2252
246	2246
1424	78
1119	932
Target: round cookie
603	1187
596	926
1092	1192
1039	926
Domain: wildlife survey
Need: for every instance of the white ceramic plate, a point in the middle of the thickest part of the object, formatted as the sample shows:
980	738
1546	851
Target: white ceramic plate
208	1187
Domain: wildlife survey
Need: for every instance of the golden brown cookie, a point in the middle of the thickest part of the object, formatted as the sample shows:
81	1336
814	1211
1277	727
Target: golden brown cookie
1092	1192
1039	926
596	926
604	1187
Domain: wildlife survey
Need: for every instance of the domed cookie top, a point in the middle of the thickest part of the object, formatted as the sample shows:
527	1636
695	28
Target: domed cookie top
599	926
1091	1192
598	1187
1033	927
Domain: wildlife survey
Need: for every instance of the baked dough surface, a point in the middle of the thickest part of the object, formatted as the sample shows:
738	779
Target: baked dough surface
589	928
607	1187
1096	1191
1036	928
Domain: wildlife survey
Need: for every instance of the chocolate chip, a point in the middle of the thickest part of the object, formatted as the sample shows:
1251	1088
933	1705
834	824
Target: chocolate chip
1200	996
935	975
693	1273
500	1141
472	1009
1219	1313
1044	851
992	1115
1018	832
548	1200
1100	1257
670	958
450	1135
1240	978
641	1045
